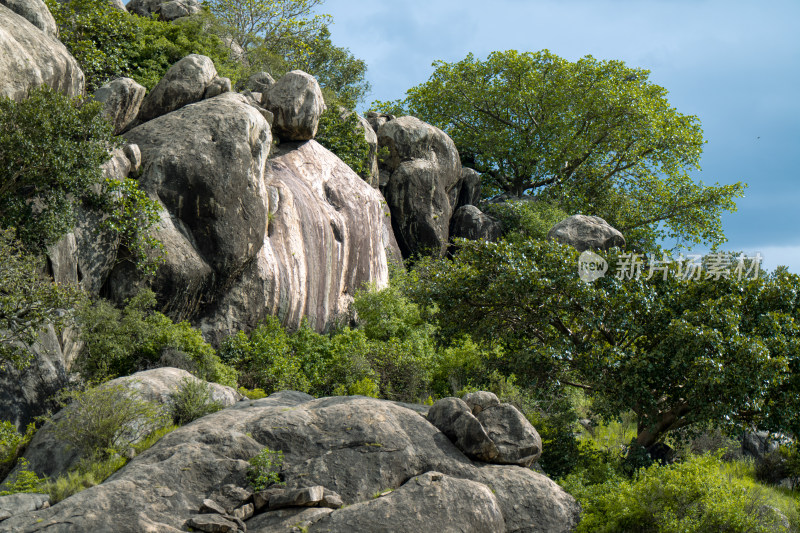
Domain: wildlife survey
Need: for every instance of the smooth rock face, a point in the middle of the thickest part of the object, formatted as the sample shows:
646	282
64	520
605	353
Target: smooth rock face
297	103
325	240
355	446
35	12
469	222
416	179
430	502
30	58
257	83
121	99
23	502
516	439
50	457
205	165
453	417
586	232
185	82
480	400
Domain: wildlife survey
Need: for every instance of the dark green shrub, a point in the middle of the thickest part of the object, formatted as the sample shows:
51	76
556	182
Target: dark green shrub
772	467
25	480
523	219
265	469
339	132
122	341
12	444
191	401
106	420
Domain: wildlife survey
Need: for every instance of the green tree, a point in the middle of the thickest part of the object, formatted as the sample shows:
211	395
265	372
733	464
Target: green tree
28	301
595	137
676	352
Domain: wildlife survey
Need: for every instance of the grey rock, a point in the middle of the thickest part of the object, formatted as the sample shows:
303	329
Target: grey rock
244	512
5	514
469	222
210	506
35	12
212	523
480	400
303	497
257	83
286	520
231	497
376	120
168	10
296	102
373	177
23	502
328	441
261	498
586	232
217	87
134	155
118	5
454	418
757	444
331	500
184	83
468	190
431	502
325	240
416	179
30	58
517	441
121	99
204	163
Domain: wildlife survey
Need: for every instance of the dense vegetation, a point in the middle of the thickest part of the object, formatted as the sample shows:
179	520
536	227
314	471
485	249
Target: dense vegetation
644	361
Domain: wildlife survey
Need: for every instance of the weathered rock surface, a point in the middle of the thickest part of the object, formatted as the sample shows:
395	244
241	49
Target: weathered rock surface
757	444
469	222
205	165
257	83
468	190
217	87
517	441
121	99
35	12
430	502
372	140
376	120
23	502
454	418
297	103
30	58
417	177
584	232
184	83
325	240
48	456
355	446
168	10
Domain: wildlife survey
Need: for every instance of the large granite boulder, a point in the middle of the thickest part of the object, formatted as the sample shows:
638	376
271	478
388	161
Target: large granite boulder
48	456
204	164
167	10
30	58
326	239
296	102
184	83
586	232
35	12
121	99
417	177
357	447
469	222
259	82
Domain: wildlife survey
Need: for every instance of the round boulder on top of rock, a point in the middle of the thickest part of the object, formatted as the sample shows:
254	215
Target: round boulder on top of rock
454	418
517	441
184	83
296	102
583	232
121	99
35	12
257	83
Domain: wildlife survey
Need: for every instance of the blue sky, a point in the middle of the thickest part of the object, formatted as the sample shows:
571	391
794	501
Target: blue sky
735	64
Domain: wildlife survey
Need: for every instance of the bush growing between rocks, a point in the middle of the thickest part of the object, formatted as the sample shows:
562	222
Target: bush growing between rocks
25	480
524	220
191	401
265	469
120	342
340	135
106	420
12	444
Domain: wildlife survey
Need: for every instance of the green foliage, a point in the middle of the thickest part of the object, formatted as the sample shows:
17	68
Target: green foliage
341	135
694	496
265	469
677	352
252	394
28	301
25	480
363	387
121	341
106	420
525	220
594	137
51	149
12	444
191	401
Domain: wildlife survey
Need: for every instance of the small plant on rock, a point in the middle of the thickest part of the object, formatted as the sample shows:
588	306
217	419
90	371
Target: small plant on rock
191	401
265	469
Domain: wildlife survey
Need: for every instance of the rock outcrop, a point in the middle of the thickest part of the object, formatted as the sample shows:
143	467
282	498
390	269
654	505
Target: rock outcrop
168	10
35	12
184	83
586	232
417	178
469	222
29	57
204	163
357	447
121	99
326	239
296	102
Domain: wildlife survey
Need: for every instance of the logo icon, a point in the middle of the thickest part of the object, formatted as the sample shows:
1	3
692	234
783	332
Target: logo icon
591	266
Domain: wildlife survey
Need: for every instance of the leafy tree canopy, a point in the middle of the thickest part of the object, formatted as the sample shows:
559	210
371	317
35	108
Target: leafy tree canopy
596	137
677	352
